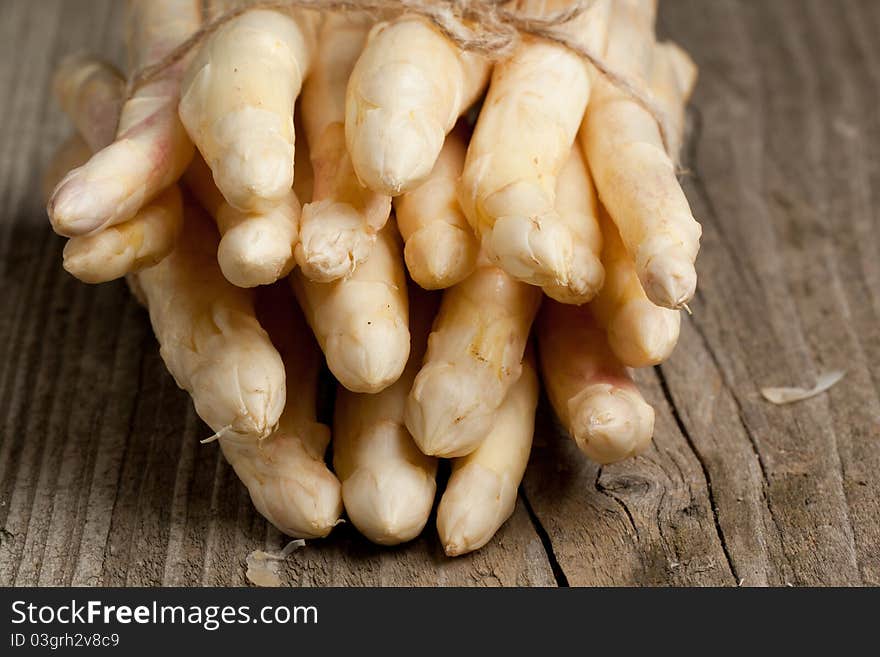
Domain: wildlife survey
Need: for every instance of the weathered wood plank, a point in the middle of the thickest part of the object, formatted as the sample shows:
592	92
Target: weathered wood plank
843	317
789	168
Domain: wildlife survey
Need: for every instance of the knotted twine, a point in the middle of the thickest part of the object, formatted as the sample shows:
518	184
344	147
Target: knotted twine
487	27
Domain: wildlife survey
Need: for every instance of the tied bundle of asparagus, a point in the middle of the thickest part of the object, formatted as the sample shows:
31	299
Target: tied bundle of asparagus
305	181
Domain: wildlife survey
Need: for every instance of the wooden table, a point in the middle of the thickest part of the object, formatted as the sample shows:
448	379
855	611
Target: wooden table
103	480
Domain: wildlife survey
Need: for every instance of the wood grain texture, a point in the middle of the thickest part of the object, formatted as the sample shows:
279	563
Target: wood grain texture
103	481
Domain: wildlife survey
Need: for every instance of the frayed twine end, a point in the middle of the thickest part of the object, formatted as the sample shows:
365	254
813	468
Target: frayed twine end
217	436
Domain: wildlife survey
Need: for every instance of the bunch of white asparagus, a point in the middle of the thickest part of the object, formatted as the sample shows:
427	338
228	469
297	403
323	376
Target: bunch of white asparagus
562	187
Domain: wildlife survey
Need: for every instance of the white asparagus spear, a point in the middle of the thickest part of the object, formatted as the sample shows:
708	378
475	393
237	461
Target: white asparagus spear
481	493
388	485
288	481
474	355
634	174
407	90
673	76
577	208
590	390
440	247
91	93
639	332
151	149
523	138
237	103
256	248
209	336
361	322
131	246
340	223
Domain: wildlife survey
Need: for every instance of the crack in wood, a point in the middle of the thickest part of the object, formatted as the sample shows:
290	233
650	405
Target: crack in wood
667	394
747	274
558	573
752	439
604	491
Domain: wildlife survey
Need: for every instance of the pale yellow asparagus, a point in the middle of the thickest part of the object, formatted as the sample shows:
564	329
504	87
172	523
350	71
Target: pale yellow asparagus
521	142
361	322
440	248
474	356
209	336
128	247
634	174
578	209
405	94
673	76
340	223
151	149
237	103
91	93
388	485
589	388
285	473
256	248
639	332
481	493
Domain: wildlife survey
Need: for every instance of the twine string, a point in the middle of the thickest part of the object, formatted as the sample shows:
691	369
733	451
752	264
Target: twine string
486	27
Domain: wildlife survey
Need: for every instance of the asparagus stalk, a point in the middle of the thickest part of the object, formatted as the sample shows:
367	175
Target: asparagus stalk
256	248
285	473
387	484
237	103
474	356
209	336
634	174
91	92
578	210
481	493
522	140
440	247
406	92
361	322
590	390
340	223
151	149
